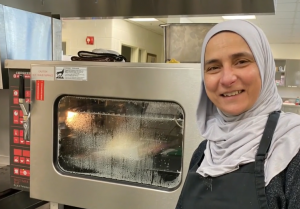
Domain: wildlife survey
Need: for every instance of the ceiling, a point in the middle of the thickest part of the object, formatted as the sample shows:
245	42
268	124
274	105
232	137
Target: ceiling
281	28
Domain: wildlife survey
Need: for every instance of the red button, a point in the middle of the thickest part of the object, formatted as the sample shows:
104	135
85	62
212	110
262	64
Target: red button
16	93
16	132
16	159
22	160
16	171
26	153
27	142
18	152
21	113
16	100
28	161
22	141
24	172
27	93
21	133
16	140
27	100
16	116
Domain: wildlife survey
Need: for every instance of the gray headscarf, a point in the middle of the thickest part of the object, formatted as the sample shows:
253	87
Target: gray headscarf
234	140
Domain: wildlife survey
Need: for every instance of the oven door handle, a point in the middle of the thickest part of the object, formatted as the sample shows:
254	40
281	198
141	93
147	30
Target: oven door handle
25	107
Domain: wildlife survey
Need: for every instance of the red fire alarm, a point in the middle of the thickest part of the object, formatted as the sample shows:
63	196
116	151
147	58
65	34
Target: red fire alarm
89	40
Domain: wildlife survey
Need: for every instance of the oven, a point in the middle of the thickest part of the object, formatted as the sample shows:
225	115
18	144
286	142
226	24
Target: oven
112	135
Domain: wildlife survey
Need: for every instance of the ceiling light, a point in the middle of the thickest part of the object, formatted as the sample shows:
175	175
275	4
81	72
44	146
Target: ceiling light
244	17
143	19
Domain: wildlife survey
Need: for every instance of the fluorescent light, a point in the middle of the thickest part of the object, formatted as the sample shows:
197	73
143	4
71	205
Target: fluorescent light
244	17
143	19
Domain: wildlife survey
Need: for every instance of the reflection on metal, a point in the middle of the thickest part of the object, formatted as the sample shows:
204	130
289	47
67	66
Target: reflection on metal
4	127
139	8
27	36
183	41
56	39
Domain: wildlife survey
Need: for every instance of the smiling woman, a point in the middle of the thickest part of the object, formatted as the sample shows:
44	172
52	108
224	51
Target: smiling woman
231	75
250	158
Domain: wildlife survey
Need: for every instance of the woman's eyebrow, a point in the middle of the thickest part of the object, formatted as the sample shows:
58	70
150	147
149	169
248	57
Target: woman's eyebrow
241	54
232	56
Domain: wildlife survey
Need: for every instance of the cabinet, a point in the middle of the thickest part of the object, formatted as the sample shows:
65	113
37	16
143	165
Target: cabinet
292	73
280	76
287	73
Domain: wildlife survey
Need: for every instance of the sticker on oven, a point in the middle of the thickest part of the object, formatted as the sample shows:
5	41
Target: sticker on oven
71	73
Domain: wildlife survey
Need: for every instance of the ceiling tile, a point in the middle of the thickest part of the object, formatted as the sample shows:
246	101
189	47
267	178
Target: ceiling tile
286	7
273	21
287	1
278	15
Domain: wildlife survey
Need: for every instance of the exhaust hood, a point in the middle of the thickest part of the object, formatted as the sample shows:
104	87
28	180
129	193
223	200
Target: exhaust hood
144	8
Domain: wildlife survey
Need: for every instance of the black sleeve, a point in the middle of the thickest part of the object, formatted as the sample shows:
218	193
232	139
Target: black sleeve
292	189
283	191
195	158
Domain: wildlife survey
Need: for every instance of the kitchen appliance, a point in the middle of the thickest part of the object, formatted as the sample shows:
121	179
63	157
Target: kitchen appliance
112	135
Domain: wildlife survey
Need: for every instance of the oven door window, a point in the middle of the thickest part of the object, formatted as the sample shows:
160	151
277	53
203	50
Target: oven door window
128	141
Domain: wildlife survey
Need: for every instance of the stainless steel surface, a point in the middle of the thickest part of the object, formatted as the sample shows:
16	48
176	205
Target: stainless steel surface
27	36
3	50
4	178
138	8
183	42
56	39
4	127
154	82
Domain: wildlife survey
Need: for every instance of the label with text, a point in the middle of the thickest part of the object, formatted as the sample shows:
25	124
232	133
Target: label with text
40	89
42	73
71	73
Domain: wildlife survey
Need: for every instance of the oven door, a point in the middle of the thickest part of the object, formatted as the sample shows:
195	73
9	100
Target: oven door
113	136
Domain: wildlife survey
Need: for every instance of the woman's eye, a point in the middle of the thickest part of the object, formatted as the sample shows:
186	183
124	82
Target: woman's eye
240	62
212	68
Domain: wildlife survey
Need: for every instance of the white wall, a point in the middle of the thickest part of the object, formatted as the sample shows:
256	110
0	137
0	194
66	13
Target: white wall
74	33
132	35
286	51
110	34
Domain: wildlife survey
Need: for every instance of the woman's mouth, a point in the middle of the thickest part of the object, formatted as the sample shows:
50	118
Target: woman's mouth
233	93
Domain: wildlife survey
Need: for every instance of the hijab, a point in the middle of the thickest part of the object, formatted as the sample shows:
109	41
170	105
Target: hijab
233	140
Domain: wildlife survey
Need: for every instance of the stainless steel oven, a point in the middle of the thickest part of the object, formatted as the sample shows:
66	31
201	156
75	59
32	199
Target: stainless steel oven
110	136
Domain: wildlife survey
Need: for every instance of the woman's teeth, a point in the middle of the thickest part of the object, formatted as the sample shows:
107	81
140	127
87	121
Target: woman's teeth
232	93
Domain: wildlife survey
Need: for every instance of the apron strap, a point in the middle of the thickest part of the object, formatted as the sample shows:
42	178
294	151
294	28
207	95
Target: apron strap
260	157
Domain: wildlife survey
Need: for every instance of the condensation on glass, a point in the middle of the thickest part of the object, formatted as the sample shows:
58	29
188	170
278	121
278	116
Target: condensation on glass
128	140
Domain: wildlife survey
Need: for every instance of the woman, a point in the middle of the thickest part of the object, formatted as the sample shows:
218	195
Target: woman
250	158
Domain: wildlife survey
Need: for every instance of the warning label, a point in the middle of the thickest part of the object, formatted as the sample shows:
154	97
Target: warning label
40	89
71	73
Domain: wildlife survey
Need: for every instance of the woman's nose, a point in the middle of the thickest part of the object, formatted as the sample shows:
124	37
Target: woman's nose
228	76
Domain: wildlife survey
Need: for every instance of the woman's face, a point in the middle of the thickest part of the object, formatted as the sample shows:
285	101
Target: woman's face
231	75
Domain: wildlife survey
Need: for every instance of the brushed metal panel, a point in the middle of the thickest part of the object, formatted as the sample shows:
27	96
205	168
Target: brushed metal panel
56	39
4	127
135	8
3	52
28	35
183	42
179	83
